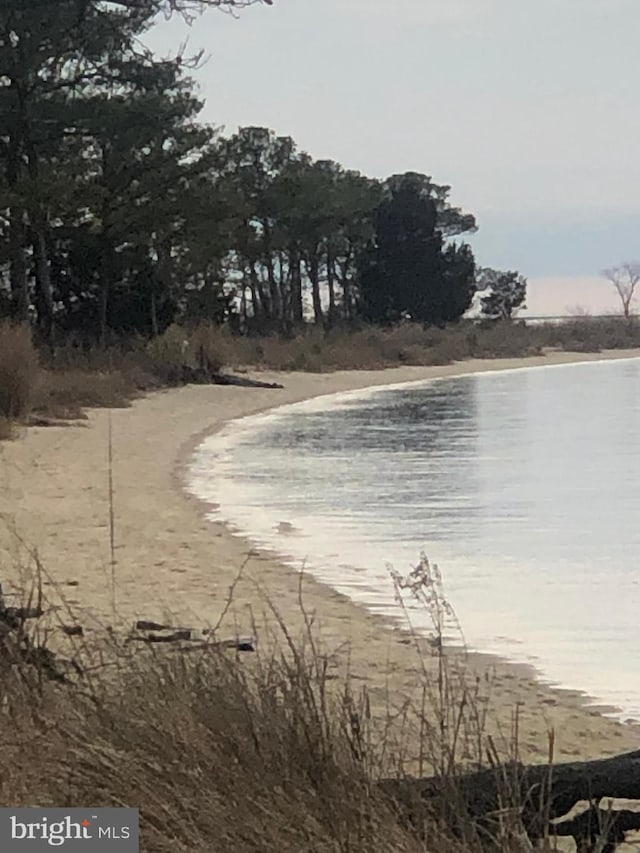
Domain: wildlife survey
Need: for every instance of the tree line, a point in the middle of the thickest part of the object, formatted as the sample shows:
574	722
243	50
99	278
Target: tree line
121	212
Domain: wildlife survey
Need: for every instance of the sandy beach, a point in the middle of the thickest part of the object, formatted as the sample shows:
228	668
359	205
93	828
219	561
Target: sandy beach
172	563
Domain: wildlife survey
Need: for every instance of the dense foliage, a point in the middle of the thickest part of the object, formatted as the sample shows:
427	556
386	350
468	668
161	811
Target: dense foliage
504	293
121	213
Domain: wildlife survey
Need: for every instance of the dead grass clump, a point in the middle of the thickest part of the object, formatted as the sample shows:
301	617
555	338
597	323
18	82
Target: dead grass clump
268	752
6	429
593	334
217	754
361	349
374	347
199	348
76	376
304	352
506	339
18	371
64	393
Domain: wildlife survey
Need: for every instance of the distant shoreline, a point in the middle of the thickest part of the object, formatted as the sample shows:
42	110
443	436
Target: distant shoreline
173	563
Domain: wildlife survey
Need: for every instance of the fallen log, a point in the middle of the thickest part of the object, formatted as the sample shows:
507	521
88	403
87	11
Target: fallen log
18	647
483	793
197	639
15	616
174	637
204	376
72	630
596	821
242	381
196	643
233	645
144	625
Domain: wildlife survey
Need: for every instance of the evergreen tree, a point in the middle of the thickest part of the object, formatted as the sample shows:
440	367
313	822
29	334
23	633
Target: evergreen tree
505	293
409	270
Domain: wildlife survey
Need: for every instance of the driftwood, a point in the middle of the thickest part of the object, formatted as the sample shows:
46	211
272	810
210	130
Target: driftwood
204	376
154	632
243	381
16	646
72	630
482	794
14	617
206	372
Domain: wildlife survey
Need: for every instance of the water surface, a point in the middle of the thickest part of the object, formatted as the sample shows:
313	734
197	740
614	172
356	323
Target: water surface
524	487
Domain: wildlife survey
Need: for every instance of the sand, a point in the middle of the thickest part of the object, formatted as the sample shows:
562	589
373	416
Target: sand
172	563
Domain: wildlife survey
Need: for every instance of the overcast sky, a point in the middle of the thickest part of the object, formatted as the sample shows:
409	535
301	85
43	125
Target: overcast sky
527	108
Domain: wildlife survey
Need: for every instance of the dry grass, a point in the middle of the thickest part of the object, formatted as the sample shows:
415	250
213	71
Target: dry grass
593	334
19	371
262	753
370	347
75	377
64	393
217	752
6	429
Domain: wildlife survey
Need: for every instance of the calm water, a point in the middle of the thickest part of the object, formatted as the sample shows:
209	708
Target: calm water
524	487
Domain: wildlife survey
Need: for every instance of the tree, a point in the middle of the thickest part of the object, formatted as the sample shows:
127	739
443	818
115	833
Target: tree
96	142
624	278
323	208
409	269
46	50
250	165
298	227
506	294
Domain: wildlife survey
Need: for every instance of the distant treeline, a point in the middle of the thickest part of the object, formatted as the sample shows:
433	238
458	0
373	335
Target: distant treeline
121	213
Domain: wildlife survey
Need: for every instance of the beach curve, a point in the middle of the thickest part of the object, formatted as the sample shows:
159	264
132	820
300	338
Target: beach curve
173	562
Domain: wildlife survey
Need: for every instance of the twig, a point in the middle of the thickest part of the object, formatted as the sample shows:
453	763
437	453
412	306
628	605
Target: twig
112	544
230	594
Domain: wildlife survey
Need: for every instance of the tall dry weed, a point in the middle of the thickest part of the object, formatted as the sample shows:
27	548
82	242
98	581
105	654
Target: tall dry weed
19	369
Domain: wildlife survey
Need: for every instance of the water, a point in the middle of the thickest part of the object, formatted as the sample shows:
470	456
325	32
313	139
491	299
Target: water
524	487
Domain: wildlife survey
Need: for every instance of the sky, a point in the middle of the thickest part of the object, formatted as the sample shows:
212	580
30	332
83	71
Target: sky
527	108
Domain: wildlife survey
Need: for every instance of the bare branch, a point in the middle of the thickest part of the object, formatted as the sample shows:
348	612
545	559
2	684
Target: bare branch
189	8
624	278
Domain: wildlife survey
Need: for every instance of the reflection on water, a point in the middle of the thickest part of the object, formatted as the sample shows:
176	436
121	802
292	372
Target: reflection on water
523	485
362	458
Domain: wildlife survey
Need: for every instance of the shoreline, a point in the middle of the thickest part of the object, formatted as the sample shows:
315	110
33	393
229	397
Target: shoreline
282	555
171	560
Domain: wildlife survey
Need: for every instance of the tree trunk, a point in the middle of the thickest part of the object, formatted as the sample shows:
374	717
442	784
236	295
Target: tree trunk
284	287
330	285
347	296
255	304
154	314
480	795
17	237
162	280
263	300
18	265
38	219
43	284
297	310
274	296
106	266
243	302
313	269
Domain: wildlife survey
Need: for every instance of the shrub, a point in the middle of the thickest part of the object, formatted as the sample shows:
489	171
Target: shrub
6	429
179	348
64	393
19	370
